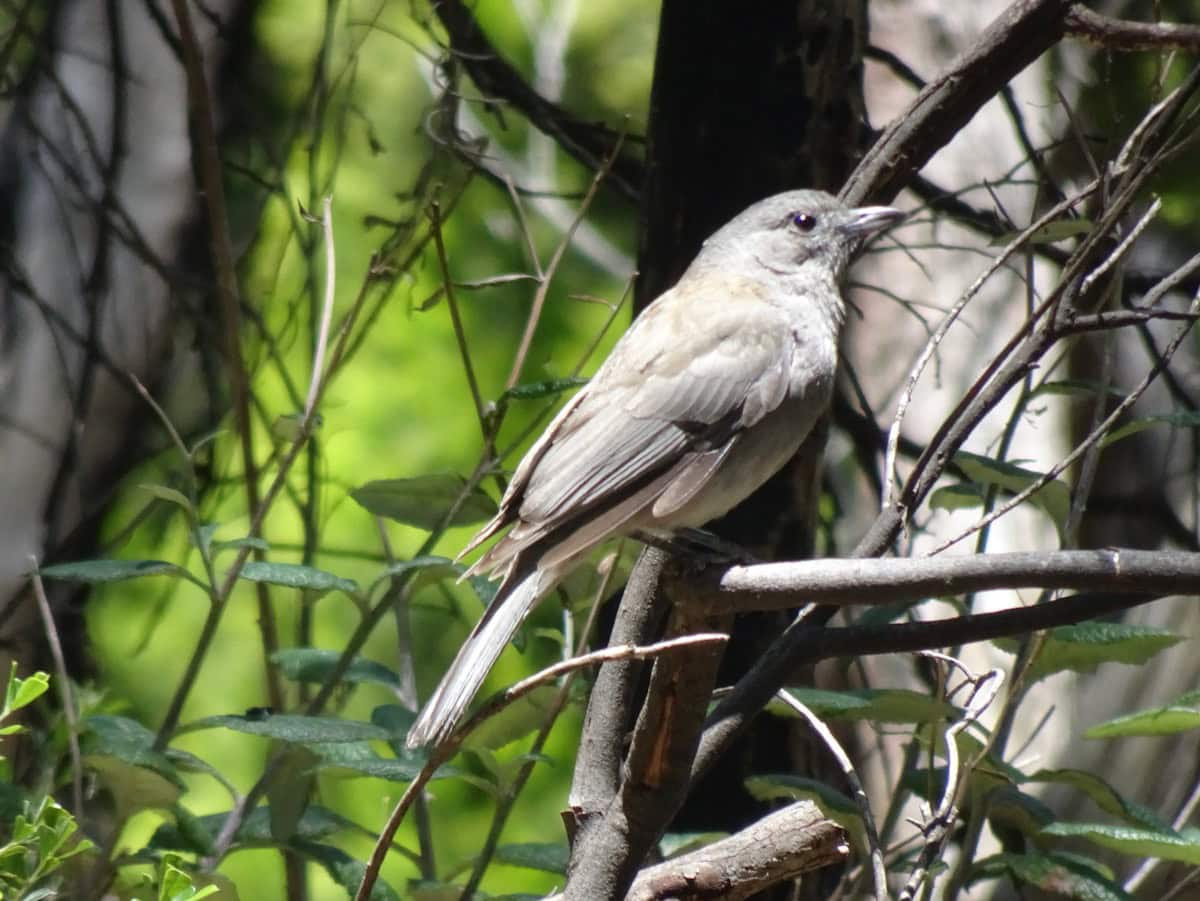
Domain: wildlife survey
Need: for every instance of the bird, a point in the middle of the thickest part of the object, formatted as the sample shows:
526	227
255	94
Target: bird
710	391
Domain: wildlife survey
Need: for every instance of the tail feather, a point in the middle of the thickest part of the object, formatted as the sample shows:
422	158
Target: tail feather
445	708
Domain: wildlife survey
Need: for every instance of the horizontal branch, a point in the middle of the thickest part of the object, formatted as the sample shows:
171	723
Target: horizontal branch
1121	34
890	580
781	846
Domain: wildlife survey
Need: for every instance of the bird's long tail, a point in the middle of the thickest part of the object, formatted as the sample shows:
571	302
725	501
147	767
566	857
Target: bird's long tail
475	658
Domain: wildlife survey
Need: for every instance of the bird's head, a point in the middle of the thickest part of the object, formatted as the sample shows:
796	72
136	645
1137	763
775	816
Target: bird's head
789	231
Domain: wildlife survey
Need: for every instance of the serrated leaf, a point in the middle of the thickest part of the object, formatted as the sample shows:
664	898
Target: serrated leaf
315	665
549	858
1054	497
1084	646
425	501
1063	875
96	572
538	390
294	728
295	575
1160	844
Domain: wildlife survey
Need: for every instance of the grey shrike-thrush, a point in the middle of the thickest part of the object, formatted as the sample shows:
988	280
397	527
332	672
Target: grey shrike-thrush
708	394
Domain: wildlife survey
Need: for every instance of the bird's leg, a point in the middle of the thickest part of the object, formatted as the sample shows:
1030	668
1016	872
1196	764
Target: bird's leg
700	546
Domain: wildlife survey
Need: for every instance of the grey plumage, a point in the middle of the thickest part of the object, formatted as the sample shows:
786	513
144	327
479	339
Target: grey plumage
709	393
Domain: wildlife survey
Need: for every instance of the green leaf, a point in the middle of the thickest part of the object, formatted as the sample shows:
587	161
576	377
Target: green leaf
1054	497
22	692
170	495
549	858
1051	232
343	869
359	759
255	832
294	728
962	496
1102	794
295	575
96	572
516	721
1071	387
427	570
1011	807
1181	715
425	501
1084	646
538	390
1059	874
290	790
1184	419
316	664
1161	844
886	705
673	844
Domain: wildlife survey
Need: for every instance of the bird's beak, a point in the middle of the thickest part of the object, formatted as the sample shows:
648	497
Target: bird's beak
867	220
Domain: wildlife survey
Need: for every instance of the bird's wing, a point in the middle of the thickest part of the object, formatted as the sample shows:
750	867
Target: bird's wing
666	404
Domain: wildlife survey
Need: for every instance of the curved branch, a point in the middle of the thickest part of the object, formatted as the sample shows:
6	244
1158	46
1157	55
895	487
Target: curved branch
592	143
1013	41
1121	34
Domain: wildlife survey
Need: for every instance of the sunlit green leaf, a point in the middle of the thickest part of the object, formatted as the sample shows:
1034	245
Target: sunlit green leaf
316	664
295	575
1161	844
425	501
1082	647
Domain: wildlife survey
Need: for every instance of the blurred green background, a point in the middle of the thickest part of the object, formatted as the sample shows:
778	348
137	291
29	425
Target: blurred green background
401	407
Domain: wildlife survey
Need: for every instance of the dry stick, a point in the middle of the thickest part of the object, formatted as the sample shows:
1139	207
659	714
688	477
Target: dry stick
935	340
878	871
221	247
1093	437
936	825
65	693
505	805
539	297
494	705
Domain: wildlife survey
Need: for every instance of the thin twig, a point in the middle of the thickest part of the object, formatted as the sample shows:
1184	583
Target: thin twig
65	693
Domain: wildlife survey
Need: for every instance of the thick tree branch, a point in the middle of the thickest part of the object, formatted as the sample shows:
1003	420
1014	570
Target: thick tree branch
807	641
891	580
1014	40
781	846
1120	34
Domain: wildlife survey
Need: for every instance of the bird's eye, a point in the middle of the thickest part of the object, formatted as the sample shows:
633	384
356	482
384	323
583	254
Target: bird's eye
804	221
